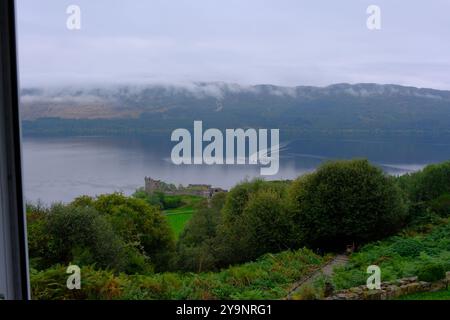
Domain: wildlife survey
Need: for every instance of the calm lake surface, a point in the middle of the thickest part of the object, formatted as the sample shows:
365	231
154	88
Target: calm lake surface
60	169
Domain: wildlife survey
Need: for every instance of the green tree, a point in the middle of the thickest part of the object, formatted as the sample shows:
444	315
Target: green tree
139	224
345	202
196	245
432	182
154	199
254	221
269	223
428	191
441	205
69	234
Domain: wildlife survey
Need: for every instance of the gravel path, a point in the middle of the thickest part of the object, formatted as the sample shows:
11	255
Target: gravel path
326	270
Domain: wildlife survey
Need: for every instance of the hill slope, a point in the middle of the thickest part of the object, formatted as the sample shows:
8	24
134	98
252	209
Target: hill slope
365	107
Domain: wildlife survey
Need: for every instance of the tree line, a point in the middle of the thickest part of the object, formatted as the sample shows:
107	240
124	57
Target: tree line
341	203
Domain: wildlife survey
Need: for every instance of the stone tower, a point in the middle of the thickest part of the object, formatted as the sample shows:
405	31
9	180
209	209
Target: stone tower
152	185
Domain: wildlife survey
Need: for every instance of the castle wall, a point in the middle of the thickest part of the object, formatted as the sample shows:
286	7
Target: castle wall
202	190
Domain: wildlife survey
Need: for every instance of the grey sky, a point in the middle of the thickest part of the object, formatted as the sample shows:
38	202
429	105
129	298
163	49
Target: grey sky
282	42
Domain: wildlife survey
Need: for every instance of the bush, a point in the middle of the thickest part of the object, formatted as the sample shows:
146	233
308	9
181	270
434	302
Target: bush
68	234
140	225
268	222
110	231
429	194
346	202
420	217
254	221
441	205
432	182
431	272
408	247
196	245
154	199
172	202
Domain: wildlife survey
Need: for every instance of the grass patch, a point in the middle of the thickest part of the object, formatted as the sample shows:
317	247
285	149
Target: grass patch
439	295
178	217
177	221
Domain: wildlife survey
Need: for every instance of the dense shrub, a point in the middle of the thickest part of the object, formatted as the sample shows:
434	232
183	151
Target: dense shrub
408	247
441	205
172	202
196	245
204	222
69	234
422	218
250	220
154	199
269	223
430	183
255	220
429	194
140	225
110	231
161	200
431	272
345	202
408	184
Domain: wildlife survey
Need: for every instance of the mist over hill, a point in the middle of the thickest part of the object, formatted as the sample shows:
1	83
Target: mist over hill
162	108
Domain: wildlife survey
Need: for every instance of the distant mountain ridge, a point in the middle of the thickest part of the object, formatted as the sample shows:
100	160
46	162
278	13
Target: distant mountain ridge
364	106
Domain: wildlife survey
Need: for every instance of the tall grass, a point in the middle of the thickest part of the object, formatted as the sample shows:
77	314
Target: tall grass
397	257
270	277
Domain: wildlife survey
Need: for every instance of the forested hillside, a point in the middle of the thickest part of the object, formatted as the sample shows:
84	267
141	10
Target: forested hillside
344	108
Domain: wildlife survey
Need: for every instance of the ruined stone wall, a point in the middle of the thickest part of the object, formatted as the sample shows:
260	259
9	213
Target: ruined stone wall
151	185
202	190
391	290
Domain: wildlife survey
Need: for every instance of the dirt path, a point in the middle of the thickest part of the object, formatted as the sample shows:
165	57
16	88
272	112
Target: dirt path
326	270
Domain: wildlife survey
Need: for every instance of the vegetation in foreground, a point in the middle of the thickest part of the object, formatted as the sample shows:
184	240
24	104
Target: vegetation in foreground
424	255
270	277
127	249
439	295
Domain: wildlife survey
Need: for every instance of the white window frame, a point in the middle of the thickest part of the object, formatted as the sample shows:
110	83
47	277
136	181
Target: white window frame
14	283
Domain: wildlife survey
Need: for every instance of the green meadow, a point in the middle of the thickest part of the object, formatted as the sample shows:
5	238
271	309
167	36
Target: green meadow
178	217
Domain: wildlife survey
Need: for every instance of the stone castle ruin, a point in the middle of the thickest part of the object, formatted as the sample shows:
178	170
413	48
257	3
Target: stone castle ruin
203	190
